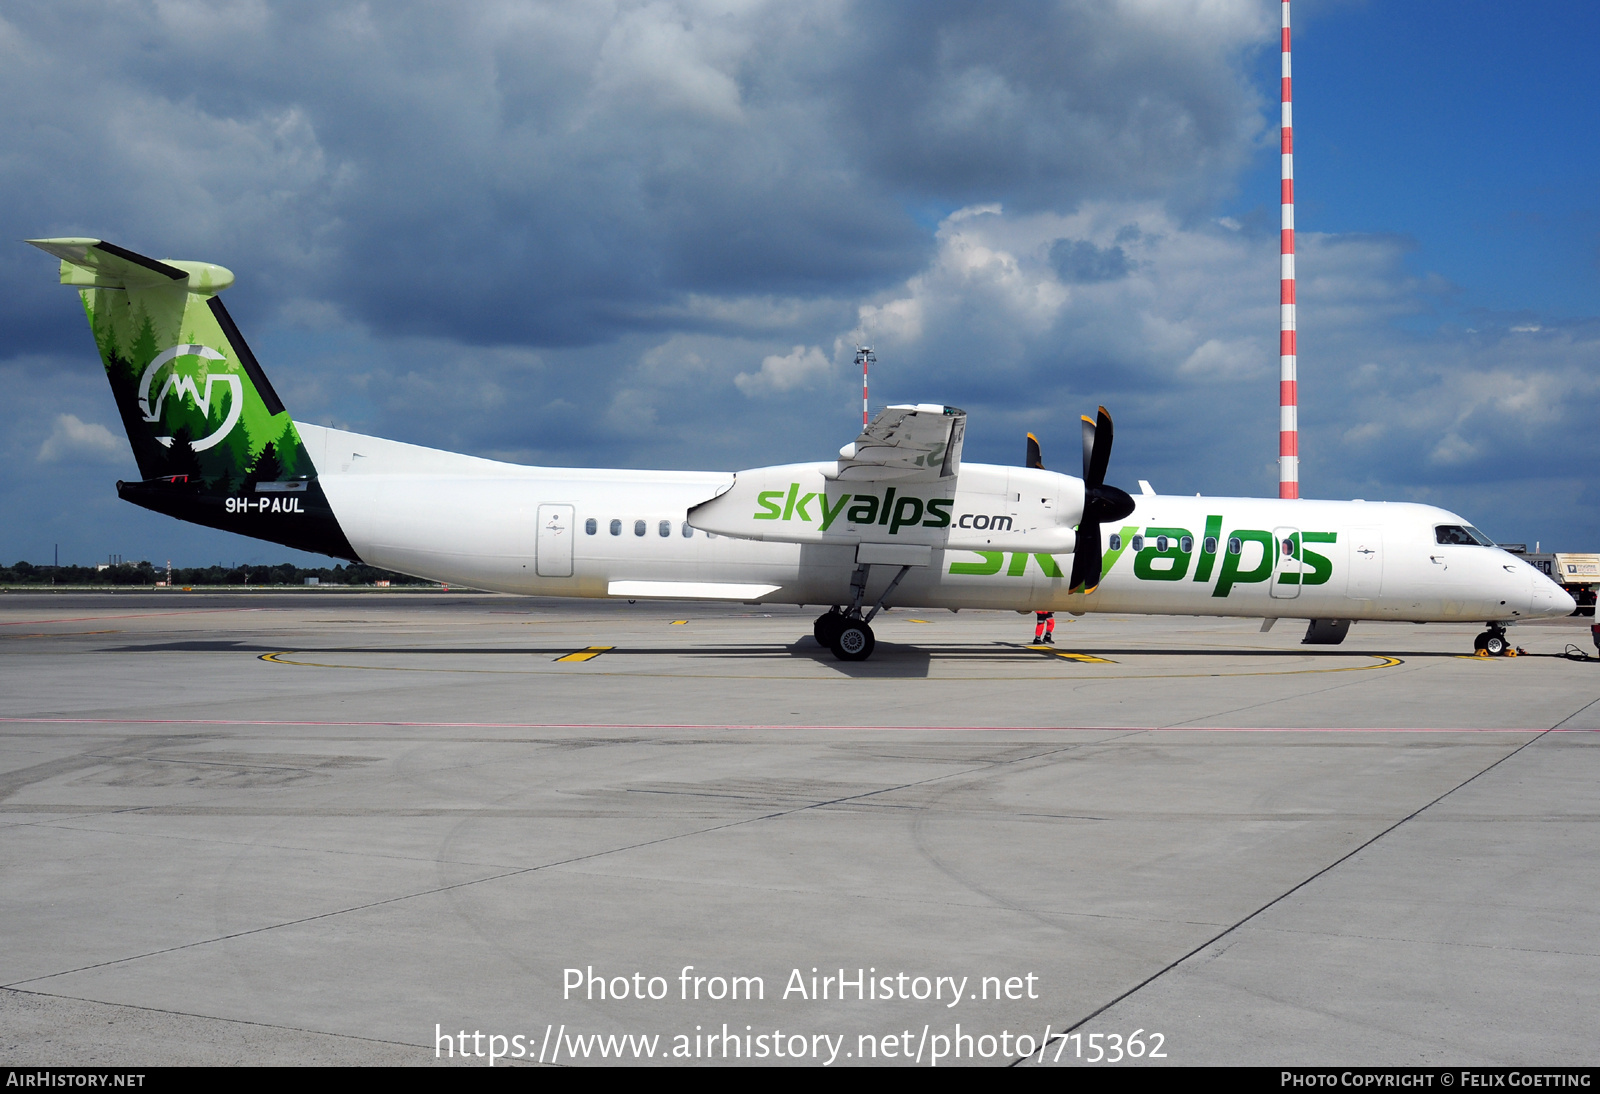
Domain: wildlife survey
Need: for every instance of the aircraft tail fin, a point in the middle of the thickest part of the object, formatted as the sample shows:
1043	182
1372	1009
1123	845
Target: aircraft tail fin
212	439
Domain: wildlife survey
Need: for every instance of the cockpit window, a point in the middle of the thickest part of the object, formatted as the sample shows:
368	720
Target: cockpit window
1461	534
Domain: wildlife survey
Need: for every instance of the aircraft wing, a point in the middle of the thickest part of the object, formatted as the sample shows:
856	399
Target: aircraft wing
911	443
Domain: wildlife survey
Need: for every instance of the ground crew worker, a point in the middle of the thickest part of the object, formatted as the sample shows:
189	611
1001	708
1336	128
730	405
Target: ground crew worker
1594	633
1044	629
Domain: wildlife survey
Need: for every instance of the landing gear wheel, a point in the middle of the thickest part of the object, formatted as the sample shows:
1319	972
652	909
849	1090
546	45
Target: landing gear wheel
826	627
1495	644
853	641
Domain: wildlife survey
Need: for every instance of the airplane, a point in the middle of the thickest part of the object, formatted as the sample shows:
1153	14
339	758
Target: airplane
897	519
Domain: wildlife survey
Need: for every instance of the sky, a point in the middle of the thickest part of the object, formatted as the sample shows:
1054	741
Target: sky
651	235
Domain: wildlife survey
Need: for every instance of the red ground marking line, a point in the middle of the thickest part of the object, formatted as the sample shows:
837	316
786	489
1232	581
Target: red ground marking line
755	725
137	615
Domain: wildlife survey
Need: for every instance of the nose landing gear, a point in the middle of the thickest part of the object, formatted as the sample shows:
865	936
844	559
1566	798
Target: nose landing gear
1492	642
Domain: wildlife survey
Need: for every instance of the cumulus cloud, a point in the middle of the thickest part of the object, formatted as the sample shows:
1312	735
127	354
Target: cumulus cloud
74	439
993	299
800	367
1216	358
654	60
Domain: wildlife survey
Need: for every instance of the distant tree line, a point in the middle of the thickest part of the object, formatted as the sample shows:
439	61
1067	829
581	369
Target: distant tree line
146	573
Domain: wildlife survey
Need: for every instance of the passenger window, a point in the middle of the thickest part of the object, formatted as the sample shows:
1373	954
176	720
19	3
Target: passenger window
638	527
1116	542
1138	543
1235	547
1288	548
1211	545
1186	544
1162	542
616	527
590	527
664	528
688	533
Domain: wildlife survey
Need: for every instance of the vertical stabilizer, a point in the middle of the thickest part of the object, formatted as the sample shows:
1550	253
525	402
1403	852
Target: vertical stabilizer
213	441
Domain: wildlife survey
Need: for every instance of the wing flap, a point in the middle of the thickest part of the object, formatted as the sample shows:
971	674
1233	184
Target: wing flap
908	443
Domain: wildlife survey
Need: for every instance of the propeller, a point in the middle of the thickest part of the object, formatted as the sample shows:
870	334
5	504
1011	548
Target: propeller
1100	502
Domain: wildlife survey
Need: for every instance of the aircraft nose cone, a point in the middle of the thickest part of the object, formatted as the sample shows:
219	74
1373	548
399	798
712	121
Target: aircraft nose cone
1551	600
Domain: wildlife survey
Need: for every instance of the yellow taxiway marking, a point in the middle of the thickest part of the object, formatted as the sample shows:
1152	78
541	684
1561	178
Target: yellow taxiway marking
57	634
1378	661
678	622
586	654
916	621
1085	658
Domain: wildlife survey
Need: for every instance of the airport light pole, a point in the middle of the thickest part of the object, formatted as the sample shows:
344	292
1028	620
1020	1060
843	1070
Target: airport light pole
864	356
1288	393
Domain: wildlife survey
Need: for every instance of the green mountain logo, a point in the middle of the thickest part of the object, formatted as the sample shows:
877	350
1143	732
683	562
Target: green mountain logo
200	388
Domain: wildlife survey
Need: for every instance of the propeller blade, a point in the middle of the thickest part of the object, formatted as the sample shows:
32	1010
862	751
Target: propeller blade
1035	458
1086	560
1101	503
1100	453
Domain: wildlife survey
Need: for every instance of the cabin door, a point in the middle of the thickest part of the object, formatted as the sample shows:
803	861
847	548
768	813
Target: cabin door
554	548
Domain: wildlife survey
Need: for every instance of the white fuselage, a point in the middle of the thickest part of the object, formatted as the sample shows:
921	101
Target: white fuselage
620	533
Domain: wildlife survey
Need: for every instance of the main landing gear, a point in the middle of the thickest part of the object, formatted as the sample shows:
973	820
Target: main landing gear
845	631
1493	641
849	639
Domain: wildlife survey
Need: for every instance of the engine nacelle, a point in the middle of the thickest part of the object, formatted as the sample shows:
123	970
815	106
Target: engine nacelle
983	508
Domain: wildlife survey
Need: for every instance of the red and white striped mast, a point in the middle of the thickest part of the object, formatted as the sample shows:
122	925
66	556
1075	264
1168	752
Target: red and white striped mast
864	355
1288	397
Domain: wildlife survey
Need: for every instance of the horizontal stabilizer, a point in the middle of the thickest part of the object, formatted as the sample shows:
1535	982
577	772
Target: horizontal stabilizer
96	264
920	443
